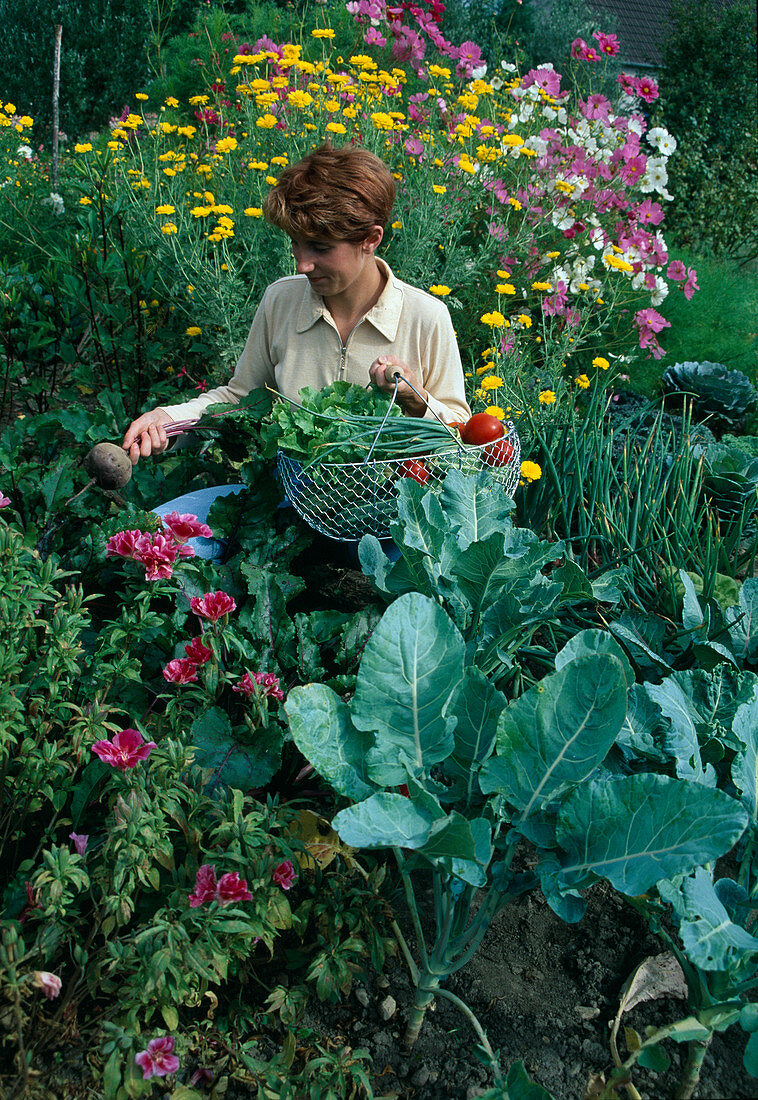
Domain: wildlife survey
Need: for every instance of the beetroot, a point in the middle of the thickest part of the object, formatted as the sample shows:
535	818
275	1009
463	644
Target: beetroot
109	465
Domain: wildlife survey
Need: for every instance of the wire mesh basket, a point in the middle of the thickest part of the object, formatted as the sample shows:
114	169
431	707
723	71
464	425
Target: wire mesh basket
347	500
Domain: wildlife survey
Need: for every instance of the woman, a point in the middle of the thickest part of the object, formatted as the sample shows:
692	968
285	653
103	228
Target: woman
345	315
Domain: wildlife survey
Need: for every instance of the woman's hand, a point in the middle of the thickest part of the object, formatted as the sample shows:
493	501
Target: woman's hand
146	435
382	372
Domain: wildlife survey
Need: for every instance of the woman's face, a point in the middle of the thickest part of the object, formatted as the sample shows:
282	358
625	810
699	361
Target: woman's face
333	267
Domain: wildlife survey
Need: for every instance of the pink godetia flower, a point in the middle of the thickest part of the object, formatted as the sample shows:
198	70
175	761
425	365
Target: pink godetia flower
690	285
284	874
205	886
226	890
606	43
123	545
198	653
266	681
4	500
125	751
80	840
159	1059
50	984
186	526
231	888
213	605
181	670
646	88
156	552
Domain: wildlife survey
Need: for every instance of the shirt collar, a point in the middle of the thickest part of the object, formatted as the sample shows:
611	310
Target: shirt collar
384	315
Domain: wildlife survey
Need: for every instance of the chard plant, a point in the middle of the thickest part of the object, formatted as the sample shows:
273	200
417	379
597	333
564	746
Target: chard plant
457	780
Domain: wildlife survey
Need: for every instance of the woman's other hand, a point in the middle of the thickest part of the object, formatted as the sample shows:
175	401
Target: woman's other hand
382	372
147	435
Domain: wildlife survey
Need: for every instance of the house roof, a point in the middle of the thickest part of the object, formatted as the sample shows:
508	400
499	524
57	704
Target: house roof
641	26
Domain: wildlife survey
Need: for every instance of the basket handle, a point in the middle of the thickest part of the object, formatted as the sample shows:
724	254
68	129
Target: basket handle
397	379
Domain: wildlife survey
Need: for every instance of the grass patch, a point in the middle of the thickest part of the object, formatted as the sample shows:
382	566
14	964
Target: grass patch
718	324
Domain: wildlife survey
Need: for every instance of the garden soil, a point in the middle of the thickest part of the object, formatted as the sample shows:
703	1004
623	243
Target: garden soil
546	993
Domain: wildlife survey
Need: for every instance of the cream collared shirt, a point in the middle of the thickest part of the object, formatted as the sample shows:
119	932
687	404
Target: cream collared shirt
293	342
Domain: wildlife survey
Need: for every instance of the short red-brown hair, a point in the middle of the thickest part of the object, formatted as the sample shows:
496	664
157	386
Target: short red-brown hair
334	193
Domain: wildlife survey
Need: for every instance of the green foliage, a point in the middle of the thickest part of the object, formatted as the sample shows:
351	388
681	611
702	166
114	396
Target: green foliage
148	829
640	496
716	325
707	101
90	90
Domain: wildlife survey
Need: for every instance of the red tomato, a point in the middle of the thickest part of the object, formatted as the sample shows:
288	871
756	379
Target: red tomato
499	454
482	428
415	469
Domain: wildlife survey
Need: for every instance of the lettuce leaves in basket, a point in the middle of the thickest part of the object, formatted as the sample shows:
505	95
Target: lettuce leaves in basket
304	429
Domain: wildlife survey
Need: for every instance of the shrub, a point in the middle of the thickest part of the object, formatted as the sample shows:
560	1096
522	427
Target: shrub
708	102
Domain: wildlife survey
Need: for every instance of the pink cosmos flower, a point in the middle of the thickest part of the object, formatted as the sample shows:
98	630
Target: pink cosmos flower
205	886
579	49
50	984
81	841
181	670
628	83
469	58
186	526
159	1059
633	169
691	285
596	106
125	750
232	888
198	653
372	37
4	501
213	605
646	88
284	874
547	79
676	271
606	43
649	322
649	212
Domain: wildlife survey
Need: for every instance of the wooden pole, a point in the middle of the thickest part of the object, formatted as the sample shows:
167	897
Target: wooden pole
56	91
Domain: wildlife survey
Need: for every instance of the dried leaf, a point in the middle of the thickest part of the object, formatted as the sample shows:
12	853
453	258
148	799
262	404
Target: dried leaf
322	845
658	976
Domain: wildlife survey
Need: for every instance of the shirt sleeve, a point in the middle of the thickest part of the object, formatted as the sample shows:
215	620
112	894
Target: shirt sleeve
254	370
443	373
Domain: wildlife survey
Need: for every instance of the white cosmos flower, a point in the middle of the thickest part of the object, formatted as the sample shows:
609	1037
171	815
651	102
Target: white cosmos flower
662	140
56	202
656	177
